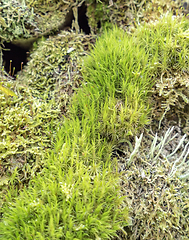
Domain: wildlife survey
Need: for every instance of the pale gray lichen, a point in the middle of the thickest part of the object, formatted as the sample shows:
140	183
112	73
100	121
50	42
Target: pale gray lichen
153	183
16	20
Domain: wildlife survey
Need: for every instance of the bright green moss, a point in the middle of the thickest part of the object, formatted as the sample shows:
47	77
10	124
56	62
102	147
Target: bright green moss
70	200
117	82
167	41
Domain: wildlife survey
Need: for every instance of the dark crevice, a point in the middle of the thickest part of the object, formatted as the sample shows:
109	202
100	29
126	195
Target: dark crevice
98	24
83	19
14	58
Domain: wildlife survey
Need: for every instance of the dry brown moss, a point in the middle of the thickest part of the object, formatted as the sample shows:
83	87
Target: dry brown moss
171	99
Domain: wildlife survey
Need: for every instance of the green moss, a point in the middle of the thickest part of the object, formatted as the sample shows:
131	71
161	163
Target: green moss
16	21
27	128
114	97
166	40
75	197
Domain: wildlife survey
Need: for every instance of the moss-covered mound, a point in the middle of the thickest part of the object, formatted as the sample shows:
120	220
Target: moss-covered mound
27	128
118	80
77	193
43	90
55	65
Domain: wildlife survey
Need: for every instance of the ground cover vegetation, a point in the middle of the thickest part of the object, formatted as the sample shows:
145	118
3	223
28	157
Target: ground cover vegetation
29	121
78	192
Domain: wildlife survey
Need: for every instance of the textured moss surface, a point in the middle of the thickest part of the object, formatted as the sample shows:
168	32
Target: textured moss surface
29	120
27	127
102	116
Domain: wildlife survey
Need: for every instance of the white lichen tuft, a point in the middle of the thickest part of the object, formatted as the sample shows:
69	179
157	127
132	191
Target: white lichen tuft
156	153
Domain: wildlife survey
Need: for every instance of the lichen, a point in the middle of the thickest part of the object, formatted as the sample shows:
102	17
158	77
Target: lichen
171	99
153	186
16	21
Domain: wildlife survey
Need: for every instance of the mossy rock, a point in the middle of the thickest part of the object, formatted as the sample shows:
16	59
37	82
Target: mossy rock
43	90
55	65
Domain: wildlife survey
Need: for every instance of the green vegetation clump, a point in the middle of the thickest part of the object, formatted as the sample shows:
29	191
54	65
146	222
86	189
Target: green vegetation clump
68	201
166	41
16	21
77	195
27	128
117	77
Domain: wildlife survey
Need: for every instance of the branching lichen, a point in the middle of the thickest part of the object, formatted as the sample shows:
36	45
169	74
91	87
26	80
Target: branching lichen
154	187
16	21
156	155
